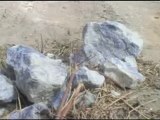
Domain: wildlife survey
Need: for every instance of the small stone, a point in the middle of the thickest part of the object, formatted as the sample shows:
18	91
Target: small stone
89	78
113	47
86	99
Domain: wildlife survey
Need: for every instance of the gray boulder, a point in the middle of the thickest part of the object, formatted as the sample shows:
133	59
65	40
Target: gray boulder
37	76
7	90
112	47
35	111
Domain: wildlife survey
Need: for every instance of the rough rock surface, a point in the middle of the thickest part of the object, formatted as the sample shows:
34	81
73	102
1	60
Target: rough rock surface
7	90
57	98
113	47
89	78
37	76
86	99
35	111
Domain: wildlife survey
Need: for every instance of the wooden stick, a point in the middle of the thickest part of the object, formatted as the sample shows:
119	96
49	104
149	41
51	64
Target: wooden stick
64	111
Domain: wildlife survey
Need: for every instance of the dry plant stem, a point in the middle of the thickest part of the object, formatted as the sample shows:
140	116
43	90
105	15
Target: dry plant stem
140	106
73	98
135	109
67	107
42	44
118	99
52	114
19	101
68	89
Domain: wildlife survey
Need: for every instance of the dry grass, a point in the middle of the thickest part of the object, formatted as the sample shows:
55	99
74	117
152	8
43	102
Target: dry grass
108	107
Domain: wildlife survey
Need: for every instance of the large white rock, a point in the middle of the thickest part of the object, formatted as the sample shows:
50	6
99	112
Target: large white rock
37	76
113	47
7	90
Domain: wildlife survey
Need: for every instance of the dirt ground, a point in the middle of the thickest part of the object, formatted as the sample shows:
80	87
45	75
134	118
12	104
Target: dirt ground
29	22
25	22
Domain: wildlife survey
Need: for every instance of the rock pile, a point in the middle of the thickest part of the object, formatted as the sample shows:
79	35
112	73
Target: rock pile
109	46
112	47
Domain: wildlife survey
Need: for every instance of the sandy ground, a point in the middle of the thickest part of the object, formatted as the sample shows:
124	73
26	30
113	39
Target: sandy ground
25	22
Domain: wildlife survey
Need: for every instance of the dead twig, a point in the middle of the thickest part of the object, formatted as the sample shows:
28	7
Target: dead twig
64	111
135	109
19	100
139	107
42	45
68	89
118	99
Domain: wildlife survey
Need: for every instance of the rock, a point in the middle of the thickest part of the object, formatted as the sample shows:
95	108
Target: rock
8	72
89	78
78	57
57	99
58	96
86	99
7	90
113	47
35	111
37	76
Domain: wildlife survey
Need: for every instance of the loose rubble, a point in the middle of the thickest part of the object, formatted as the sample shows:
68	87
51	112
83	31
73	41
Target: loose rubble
37	76
7	90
